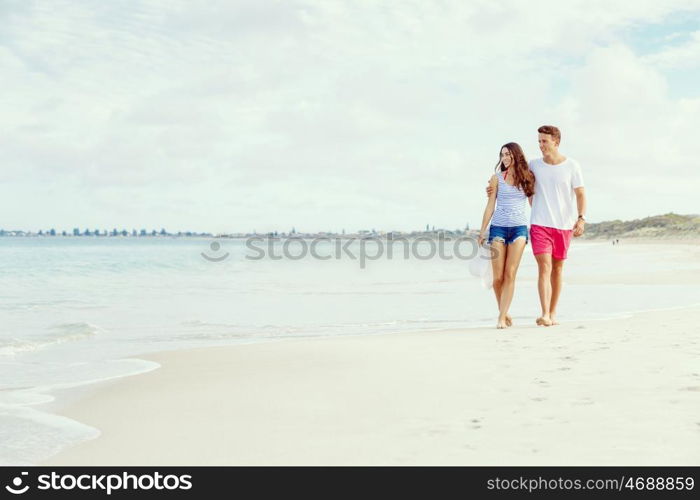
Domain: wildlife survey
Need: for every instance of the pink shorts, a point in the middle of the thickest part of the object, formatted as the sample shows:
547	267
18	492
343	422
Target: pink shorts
550	240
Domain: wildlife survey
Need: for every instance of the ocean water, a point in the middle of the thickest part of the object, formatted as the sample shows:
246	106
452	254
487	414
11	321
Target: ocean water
74	311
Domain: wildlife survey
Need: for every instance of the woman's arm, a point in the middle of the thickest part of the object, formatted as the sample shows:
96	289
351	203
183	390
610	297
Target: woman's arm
488	211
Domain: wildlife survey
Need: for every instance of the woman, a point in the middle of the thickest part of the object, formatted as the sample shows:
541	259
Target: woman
513	185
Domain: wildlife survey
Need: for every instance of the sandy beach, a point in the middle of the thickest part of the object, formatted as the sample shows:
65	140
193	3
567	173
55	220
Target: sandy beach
615	392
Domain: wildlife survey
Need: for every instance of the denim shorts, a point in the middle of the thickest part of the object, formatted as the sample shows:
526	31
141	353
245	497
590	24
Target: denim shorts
507	235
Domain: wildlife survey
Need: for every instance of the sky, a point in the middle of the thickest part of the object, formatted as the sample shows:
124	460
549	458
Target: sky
234	116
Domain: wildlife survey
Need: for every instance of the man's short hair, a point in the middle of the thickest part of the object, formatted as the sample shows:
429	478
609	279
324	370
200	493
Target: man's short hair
551	130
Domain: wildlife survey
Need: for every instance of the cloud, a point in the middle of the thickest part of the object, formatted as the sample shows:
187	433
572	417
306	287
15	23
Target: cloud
685	54
234	115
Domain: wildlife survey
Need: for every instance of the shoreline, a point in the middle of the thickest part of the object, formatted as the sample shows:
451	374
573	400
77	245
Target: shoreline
645	240
409	398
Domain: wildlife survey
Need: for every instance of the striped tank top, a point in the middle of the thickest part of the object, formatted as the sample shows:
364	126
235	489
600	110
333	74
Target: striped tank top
510	205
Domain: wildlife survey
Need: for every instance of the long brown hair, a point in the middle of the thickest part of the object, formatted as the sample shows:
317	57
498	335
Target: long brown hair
524	178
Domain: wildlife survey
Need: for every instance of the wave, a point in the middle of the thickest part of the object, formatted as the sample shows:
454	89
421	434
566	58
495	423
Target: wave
198	330
40	304
59	334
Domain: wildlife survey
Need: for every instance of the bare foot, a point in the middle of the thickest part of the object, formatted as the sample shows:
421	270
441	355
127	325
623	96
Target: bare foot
509	320
544	321
501	324
554	321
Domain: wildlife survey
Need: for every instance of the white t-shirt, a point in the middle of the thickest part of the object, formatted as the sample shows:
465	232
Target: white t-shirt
554	202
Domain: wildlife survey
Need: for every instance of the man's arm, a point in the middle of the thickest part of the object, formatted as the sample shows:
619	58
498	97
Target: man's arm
581	205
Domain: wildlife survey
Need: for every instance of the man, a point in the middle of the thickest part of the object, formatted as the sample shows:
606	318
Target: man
558	213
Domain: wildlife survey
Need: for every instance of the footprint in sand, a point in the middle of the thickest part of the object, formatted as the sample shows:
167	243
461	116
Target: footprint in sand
692	388
436	431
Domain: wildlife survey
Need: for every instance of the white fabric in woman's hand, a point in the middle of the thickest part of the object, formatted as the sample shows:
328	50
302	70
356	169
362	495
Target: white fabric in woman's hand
480	266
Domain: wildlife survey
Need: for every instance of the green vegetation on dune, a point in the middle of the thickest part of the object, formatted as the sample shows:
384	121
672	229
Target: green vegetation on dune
658	226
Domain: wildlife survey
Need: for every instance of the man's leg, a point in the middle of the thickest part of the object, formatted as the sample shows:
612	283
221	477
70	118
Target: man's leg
561	241
556	281
544	287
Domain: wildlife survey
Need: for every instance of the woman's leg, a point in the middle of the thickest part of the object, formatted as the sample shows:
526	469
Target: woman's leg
498	260
513	256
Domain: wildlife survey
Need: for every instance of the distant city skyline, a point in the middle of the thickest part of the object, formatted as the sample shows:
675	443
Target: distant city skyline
245	115
668	220
163	232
